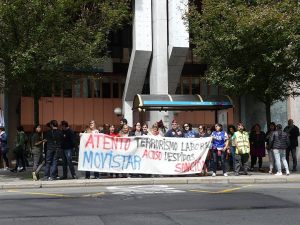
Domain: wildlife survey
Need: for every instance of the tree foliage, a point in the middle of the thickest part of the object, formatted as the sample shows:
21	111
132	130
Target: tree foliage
250	46
40	39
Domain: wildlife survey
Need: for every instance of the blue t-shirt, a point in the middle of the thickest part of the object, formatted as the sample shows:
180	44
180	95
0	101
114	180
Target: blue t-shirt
191	134
219	139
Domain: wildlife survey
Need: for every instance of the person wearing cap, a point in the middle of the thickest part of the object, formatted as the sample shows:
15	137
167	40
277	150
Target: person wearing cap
242	144
174	132
279	141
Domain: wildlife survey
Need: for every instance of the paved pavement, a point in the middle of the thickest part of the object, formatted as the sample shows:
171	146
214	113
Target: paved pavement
23	180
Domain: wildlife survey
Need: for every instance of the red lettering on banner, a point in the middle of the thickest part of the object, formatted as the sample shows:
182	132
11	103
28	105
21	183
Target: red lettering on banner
90	141
195	166
127	144
105	143
98	139
114	143
151	154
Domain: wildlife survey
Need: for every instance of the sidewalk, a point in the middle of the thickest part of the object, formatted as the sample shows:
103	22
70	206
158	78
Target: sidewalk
23	180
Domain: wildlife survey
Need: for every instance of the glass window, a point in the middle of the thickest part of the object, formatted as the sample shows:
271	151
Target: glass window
106	87
77	89
96	88
178	89
87	88
115	88
204	88
195	86
47	90
67	92
186	86
214	90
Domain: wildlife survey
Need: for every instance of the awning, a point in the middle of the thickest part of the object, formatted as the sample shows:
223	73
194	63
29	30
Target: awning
168	102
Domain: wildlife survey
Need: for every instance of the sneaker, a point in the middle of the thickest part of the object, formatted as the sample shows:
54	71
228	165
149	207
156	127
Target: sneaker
19	168
246	173
225	175
75	177
43	179
236	174
213	175
270	172
288	173
34	176
278	174
13	170
294	170
52	179
63	178
7	168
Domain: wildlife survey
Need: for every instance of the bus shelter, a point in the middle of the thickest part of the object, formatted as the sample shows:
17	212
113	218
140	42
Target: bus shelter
165	102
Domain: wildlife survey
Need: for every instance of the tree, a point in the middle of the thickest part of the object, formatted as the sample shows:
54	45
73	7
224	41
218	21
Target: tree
40	40
250	46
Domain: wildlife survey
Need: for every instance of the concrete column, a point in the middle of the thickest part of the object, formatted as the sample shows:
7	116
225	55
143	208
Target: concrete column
159	65
140	56
178	41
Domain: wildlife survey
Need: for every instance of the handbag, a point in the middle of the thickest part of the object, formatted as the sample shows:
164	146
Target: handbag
17	150
58	151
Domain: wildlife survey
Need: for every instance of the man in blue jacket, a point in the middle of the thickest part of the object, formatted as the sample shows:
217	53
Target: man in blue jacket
68	145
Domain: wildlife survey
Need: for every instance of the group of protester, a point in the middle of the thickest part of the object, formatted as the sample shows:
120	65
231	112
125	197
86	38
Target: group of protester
235	145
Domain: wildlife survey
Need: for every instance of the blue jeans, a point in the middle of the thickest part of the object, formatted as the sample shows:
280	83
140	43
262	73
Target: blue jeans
232	152
67	160
293	150
215	157
50	157
280	155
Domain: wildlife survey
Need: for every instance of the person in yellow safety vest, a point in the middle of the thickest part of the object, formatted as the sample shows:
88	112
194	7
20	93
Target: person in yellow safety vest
241	139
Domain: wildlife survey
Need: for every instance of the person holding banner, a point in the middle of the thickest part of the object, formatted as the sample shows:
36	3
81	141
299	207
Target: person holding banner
125	132
145	129
92	129
155	131
188	131
137	130
203	134
112	133
242	144
220	145
174	132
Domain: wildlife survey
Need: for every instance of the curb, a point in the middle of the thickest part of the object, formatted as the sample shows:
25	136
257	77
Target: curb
148	181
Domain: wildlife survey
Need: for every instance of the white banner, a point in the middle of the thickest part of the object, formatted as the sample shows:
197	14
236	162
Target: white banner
143	155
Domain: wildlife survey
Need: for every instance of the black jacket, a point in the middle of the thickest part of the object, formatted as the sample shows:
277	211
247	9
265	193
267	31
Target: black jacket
277	141
57	136
68	141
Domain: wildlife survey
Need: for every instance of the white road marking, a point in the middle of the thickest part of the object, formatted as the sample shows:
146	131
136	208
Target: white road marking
146	189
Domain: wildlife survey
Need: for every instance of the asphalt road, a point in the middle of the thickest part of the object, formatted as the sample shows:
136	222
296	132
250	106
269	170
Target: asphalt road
155	204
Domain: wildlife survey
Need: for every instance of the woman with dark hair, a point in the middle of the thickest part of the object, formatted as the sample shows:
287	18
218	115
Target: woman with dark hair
188	131
279	141
231	144
257	146
37	151
112	132
136	130
202	134
20	148
272	128
220	145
